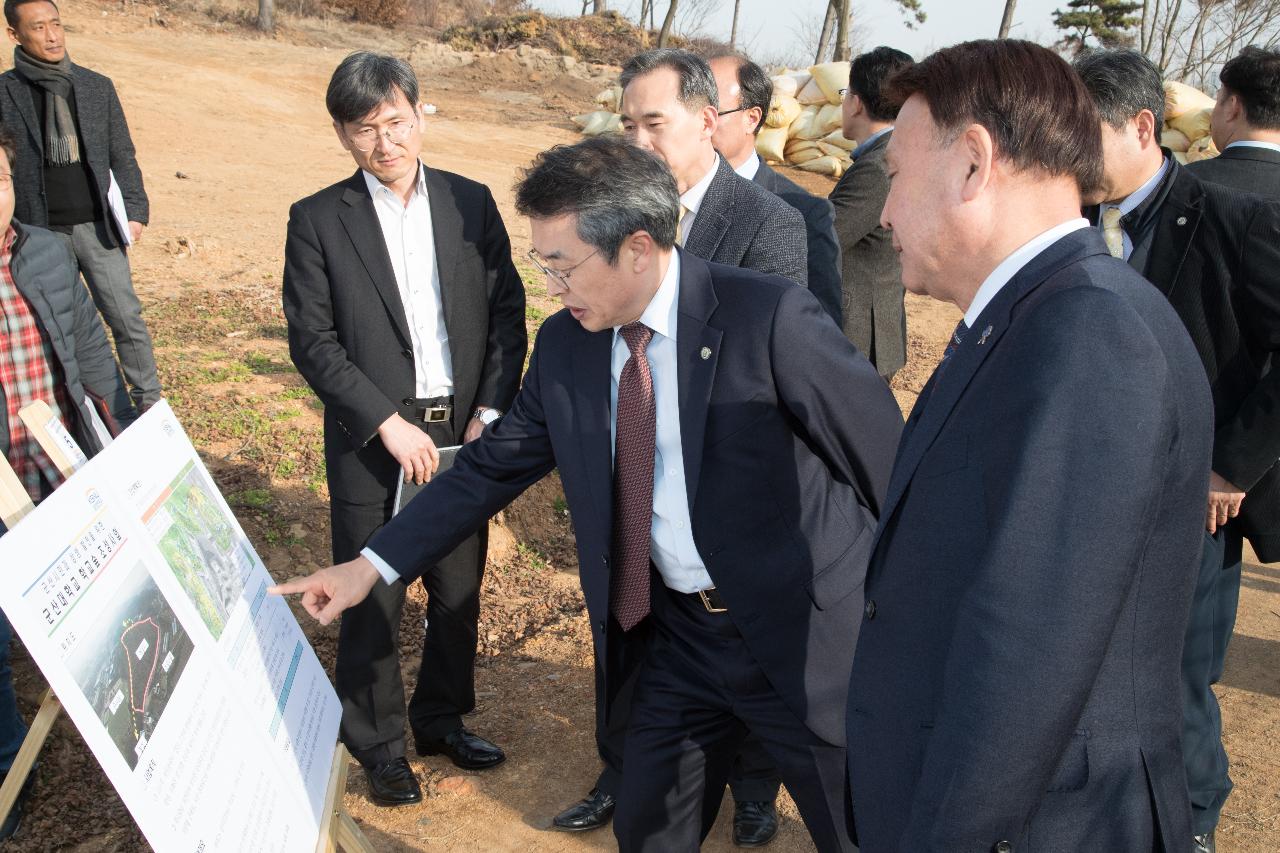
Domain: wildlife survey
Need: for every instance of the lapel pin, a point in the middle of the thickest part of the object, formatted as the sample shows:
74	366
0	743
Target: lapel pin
985	334
1182	220
706	353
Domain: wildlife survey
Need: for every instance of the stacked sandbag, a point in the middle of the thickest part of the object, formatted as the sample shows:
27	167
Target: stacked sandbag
1187	113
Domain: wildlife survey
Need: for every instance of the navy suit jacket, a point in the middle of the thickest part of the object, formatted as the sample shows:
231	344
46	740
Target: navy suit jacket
788	436
1017	673
820	229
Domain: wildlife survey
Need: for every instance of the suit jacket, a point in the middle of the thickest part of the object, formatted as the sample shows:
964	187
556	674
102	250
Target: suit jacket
1017	675
105	145
787	436
1247	168
46	274
875	318
1214	254
348	332
819	224
744	225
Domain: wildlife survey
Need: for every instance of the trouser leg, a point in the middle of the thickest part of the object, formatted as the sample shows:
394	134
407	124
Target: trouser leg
12	729
754	778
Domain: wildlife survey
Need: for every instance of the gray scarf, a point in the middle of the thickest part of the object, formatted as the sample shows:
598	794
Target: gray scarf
61	145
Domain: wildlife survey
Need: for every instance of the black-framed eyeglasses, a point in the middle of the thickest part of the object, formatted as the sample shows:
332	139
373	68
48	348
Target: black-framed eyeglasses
844	91
729	112
561	276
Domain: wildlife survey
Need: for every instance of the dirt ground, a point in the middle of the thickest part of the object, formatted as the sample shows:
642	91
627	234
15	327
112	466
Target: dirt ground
230	129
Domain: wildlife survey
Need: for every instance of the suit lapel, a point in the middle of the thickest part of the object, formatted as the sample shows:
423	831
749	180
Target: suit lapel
943	392
361	223
591	390
20	93
697	353
447	228
1180	216
712	220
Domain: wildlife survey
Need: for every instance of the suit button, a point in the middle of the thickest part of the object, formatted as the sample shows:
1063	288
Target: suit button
870	609
408	401
604	559
1003	847
407	353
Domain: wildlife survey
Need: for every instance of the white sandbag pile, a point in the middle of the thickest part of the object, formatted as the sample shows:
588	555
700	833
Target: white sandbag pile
802	127
1187	111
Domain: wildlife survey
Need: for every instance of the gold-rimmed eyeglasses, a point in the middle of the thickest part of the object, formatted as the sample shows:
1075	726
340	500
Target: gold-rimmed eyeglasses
561	276
366	139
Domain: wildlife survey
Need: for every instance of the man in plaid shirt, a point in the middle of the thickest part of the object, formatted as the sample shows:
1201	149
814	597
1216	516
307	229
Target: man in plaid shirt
52	348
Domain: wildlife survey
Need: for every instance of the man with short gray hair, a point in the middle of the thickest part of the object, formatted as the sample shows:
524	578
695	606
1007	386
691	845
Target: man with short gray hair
406	316
723	450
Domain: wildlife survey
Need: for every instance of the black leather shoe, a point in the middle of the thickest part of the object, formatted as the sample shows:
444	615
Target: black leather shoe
466	750
754	823
592	812
392	783
1203	843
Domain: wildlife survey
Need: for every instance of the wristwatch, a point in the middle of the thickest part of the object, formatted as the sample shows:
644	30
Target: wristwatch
486	415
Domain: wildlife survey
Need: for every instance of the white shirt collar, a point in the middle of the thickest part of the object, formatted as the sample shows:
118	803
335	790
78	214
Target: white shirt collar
663	308
1252	143
374	185
1009	267
750	167
1130	203
692	197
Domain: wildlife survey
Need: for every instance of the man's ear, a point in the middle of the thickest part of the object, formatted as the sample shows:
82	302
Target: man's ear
640	251
1146	125
342	135
977	159
710	117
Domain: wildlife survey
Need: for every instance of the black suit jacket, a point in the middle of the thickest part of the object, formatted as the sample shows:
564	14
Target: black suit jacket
1017	676
787	436
744	225
348	334
819	224
1244	167
105	145
1215	253
875	317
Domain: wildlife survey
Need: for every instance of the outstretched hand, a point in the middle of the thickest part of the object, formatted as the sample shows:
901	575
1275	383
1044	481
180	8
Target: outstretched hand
328	592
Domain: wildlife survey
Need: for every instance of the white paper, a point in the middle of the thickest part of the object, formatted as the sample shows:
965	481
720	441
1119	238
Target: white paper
115	201
143	603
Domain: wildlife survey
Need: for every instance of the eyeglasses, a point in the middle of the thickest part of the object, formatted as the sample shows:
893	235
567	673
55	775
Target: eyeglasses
367	139
561	276
728	112
844	92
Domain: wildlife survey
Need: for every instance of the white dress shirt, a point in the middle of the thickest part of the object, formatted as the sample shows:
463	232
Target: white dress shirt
410	241
692	198
750	167
1253	143
1010	266
1135	198
671	546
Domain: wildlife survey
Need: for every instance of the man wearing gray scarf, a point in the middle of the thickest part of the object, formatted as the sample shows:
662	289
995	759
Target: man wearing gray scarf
76	174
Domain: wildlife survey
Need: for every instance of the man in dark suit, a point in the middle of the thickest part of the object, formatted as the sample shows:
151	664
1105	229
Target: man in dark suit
1016	681
73	145
745	92
722	449
1214	253
875	316
670	106
52	348
1246	125
406	316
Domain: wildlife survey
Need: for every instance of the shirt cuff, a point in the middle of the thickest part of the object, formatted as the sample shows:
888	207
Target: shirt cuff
389	574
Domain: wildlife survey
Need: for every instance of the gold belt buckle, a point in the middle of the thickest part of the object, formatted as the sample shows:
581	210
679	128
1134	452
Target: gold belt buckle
706	602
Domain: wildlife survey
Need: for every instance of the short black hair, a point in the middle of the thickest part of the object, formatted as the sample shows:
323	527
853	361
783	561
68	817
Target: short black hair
697	83
365	81
1254	78
11	9
755	87
1123	83
613	187
8	144
867	76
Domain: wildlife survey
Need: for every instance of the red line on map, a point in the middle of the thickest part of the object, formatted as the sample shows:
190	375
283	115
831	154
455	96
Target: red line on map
128	659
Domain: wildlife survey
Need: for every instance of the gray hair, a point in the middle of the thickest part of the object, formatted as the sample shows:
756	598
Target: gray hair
1123	83
613	187
365	81
697	83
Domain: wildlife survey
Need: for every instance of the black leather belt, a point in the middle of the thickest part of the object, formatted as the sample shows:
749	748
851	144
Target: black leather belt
433	410
711	600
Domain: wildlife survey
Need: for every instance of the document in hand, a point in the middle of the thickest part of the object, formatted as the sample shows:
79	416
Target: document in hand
406	492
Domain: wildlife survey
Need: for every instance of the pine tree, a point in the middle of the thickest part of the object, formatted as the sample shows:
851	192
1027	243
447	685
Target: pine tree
1089	23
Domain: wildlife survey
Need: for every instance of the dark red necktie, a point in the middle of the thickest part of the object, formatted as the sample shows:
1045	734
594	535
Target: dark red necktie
636	428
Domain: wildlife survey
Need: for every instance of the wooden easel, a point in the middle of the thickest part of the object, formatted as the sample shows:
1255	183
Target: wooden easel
337	830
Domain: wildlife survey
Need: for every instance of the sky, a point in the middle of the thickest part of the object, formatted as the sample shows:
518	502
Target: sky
773	30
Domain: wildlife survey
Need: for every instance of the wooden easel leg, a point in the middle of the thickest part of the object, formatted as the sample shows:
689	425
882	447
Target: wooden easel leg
50	707
338	831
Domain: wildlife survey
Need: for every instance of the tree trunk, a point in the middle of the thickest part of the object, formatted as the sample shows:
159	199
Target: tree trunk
599	6
267	16
825	36
665	32
644	13
733	32
1006	22
841	52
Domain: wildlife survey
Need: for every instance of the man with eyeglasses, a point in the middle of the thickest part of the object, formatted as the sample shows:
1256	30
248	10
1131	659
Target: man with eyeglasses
406	316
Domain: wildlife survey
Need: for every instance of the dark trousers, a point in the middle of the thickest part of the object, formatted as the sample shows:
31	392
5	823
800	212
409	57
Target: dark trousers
368	662
697	694
1213	618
